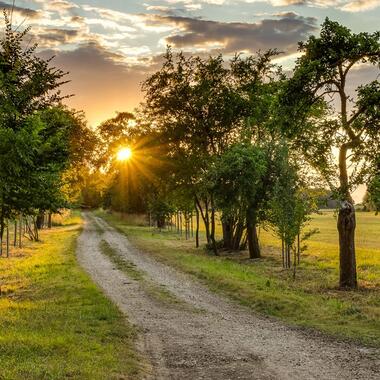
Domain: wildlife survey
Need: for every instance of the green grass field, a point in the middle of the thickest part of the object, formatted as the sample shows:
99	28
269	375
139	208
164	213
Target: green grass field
311	300
55	323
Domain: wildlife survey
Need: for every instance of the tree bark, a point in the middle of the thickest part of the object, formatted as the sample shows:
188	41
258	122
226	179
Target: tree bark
20	232
1	235
8	238
253	241
196	226
212	234
205	218
227	227
40	220
49	221
15	234
346	229
283	251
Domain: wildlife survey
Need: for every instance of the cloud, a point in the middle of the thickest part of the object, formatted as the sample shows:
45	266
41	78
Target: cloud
24	12
55	36
361	5
101	85
345	5
230	37
57	5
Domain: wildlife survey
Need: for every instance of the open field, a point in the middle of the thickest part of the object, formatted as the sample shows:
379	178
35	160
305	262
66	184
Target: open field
55	323
312	300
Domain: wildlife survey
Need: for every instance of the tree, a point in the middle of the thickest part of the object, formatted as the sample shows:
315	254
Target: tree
198	109
33	149
240	184
290	206
353	129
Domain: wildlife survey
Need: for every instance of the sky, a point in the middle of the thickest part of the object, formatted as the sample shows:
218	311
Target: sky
110	46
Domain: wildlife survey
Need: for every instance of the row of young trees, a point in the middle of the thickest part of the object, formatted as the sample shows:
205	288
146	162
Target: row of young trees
239	140
37	134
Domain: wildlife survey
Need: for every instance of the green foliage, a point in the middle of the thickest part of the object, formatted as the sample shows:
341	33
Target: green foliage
290	205
239	180
374	192
160	210
36	130
321	74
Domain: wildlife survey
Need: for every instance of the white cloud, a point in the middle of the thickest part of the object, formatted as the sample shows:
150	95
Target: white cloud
361	5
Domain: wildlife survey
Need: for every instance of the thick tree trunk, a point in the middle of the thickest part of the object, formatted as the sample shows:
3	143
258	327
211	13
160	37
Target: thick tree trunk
237	241
346	228
227	227
253	241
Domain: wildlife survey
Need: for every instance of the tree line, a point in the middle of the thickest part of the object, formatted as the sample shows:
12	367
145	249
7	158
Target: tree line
239	141
39	137
244	142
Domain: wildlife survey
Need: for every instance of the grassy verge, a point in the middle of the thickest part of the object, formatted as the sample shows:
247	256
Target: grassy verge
310	301
55	323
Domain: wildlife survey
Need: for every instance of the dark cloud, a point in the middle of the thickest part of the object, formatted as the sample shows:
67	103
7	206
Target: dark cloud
53	35
282	33
26	12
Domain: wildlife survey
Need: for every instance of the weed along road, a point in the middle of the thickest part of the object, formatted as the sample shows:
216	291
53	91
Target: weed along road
187	332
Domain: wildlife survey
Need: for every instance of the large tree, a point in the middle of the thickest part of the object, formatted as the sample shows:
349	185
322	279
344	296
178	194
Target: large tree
351	125
33	147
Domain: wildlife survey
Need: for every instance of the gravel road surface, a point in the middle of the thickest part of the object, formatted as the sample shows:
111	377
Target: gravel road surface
205	336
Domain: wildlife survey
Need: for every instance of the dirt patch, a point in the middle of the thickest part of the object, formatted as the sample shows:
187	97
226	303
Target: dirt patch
213	338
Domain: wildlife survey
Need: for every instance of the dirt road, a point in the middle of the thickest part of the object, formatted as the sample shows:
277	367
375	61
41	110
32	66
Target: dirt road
204	336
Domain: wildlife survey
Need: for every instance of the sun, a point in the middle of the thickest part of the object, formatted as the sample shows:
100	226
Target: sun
124	154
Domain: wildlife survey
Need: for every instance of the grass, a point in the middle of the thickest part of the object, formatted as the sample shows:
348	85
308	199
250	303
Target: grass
311	301
158	293
55	323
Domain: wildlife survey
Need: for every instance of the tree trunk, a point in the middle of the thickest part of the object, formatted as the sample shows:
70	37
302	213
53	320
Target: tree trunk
8	238
227	227
205	218
15	234
1	235
40	220
212	234
237	239
253	241
196	226
298	249
346	229
49	221
20	232
283	251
